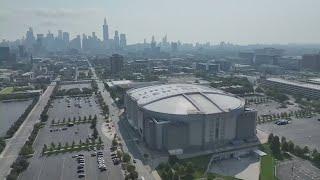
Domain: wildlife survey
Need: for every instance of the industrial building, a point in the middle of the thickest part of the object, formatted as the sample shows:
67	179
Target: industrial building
188	117
309	90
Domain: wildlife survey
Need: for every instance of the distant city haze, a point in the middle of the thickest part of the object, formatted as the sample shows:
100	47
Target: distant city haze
234	21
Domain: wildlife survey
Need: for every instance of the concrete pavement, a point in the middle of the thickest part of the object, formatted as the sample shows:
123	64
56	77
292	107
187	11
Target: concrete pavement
114	114
14	144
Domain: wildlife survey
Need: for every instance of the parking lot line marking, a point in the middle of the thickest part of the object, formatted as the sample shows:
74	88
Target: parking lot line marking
61	175
40	169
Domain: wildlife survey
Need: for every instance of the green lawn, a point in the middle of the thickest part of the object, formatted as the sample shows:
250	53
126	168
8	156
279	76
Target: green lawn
200	162
267	168
7	90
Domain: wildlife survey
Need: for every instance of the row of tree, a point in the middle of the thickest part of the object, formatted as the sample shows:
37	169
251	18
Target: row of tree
70	147
21	163
284	115
278	147
74	120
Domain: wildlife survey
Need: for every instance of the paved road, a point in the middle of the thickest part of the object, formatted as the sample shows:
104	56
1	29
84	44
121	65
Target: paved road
123	130
14	144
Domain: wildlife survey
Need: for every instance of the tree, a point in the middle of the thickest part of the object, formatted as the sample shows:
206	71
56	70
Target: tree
114	142
66	146
73	144
306	150
99	140
285	146
90	117
270	138
95	133
190	168
87	142
291	147
275	146
53	145
298	151
173	159
119	154
52	122
131	168
126	157
44	149
59	145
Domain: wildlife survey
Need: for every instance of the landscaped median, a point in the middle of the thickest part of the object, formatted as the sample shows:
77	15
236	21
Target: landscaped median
56	149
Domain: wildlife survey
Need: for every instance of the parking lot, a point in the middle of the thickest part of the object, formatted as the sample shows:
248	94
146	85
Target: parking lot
301	131
74	107
65	165
273	107
297	169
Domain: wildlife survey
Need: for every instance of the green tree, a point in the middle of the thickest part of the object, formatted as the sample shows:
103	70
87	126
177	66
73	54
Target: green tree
59	145
270	138
306	150
99	140
44	149
73	144
126	157
95	133
298	151
66	146
119	154
275	145
291	147
131	168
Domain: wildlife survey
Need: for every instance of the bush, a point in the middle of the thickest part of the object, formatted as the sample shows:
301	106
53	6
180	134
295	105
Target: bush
126	157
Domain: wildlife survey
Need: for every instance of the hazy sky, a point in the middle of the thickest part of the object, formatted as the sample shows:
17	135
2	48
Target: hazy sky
235	21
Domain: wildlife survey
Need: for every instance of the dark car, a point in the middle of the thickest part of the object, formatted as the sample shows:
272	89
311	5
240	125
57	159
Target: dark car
80	171
80	167
81	175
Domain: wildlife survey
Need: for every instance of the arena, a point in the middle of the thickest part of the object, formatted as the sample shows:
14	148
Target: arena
189	117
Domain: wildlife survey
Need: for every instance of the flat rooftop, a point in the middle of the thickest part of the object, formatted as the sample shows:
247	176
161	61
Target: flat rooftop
299	84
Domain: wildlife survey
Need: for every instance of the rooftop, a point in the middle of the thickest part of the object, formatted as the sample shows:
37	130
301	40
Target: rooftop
185	99
300	84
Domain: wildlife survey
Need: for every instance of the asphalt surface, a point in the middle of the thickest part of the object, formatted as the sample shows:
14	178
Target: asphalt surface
297	169
304	132
124	131
14	144
62	166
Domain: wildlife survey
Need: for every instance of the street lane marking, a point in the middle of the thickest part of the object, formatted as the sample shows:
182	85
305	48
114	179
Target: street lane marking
61	175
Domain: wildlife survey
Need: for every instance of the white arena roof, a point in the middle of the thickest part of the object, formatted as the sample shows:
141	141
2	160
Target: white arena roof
184	99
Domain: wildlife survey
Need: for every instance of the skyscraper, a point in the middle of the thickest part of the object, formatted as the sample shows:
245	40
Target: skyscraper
30	39
66	37
116	62
116	40
60	34
123	41
105	31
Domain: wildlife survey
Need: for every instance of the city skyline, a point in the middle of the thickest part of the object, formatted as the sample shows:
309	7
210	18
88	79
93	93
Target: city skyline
248	22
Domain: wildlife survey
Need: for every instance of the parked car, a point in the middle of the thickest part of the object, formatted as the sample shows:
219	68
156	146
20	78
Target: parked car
282	122
81	175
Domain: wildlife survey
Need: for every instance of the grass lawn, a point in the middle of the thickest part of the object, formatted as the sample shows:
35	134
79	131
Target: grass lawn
200	162
267	168
7	90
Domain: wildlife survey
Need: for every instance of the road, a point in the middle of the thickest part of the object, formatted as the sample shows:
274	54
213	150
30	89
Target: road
124	131
14	144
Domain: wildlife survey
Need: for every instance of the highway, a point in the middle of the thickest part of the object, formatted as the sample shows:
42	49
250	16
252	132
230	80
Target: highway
14	144
123	130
